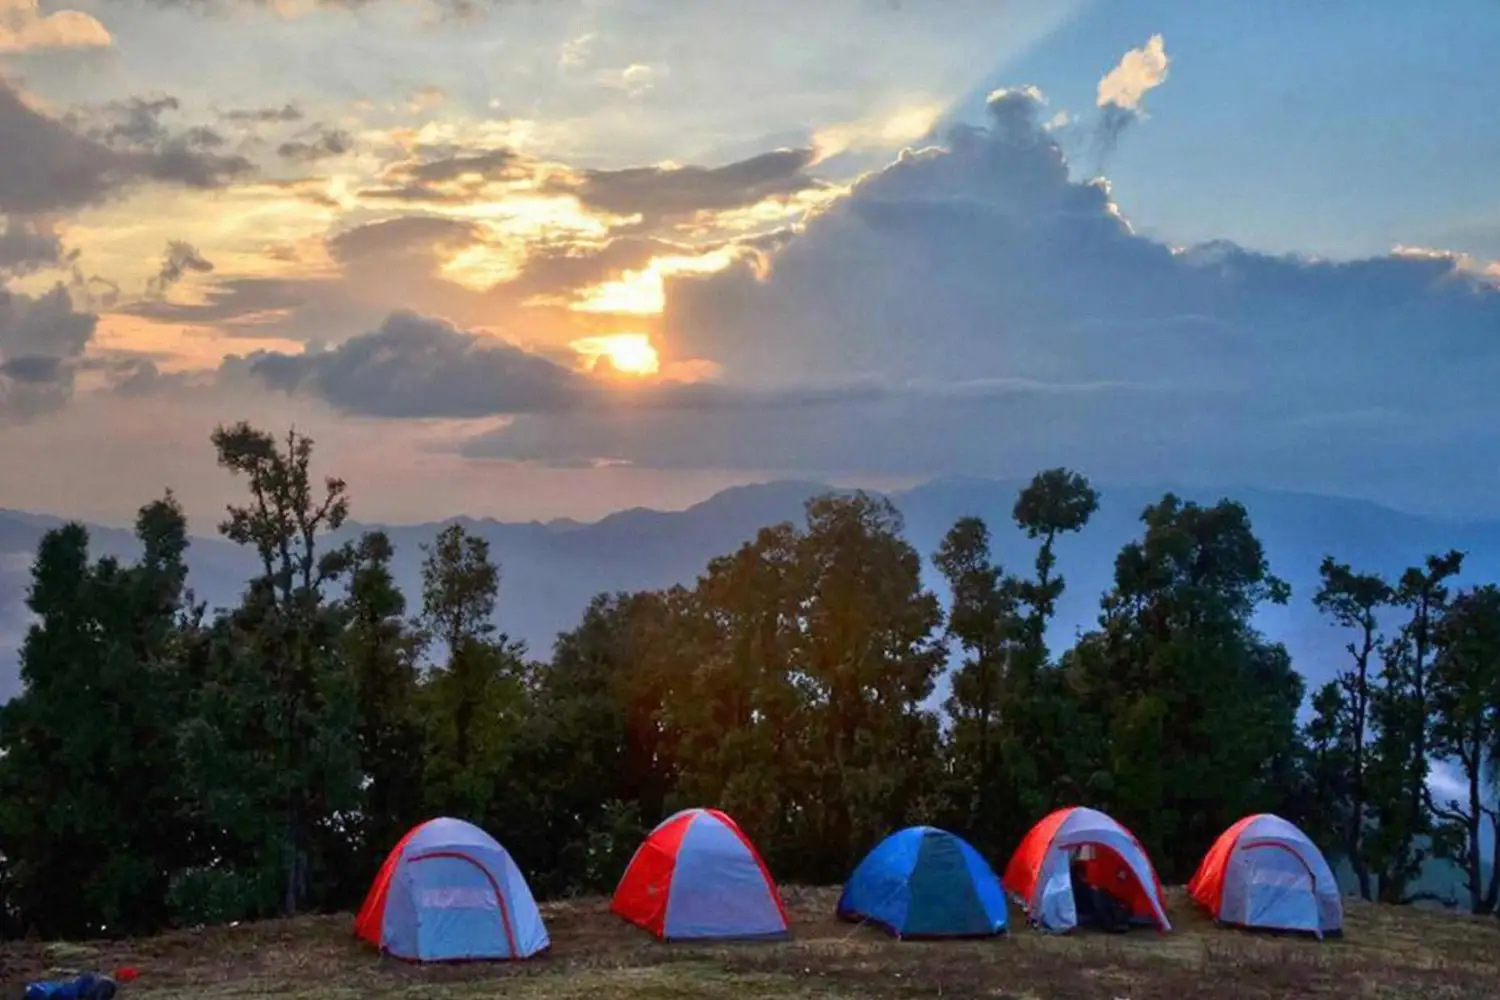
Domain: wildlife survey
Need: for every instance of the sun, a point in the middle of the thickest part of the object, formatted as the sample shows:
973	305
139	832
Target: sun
626	353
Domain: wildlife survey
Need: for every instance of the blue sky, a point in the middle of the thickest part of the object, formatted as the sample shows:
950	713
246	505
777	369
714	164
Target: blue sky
1334	128
575	255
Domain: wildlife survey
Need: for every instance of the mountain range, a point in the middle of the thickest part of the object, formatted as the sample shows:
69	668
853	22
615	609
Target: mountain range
550	570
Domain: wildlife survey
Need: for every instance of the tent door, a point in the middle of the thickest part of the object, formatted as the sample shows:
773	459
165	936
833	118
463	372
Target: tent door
460	909
1280	891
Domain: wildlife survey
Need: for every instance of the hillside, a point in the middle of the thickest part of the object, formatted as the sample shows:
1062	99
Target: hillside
1387	953
550	571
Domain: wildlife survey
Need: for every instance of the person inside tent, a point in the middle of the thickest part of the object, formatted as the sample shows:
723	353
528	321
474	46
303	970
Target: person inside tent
1099	906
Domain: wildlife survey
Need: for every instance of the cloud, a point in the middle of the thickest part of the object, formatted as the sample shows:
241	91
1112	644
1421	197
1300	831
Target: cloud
454	177
1013	318
639	198
28	245
264	116
413	366
41	340
47	165
1121	91
575	52
180	258
325	144
1139	70
664	191
23	28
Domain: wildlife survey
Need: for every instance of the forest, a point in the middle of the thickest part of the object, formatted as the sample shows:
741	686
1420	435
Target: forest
168	764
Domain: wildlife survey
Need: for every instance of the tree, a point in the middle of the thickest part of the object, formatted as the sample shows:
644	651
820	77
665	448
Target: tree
1198	708
1353	600
983	618
284	681
732	676
1047	740
1055	502
89	782
1464	693
595	749
869	658
382	654
474	702
1402	713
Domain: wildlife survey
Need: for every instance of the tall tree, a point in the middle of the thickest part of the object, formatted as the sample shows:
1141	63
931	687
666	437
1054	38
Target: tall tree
982	617
1464	693
1055	502
1402	711
742	705
1353	600
283	648
475	701
382	653
1046	745
870	657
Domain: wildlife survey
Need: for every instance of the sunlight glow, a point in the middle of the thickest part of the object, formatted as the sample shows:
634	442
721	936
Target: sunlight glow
643	292
627	353
905	125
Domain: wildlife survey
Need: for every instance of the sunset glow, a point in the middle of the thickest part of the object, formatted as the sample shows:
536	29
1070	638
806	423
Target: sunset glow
643	292
626	353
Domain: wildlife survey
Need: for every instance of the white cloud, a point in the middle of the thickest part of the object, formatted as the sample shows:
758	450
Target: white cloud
575	52
1139	71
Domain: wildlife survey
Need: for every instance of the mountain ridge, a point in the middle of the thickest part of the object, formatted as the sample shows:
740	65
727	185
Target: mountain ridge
551	569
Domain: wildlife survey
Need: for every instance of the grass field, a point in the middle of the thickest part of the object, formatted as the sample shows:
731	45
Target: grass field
1389	953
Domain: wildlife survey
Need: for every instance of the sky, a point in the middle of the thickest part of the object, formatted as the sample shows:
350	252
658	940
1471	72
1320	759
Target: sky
550	258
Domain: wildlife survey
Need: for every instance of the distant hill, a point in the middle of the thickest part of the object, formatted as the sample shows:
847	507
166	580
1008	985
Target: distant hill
551	570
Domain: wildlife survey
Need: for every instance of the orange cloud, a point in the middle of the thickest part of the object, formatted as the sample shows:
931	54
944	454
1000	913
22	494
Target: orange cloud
23	28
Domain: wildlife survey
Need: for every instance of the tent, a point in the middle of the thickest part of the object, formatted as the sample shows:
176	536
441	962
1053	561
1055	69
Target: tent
923	882
697	876
449	892
1265	873
1110	859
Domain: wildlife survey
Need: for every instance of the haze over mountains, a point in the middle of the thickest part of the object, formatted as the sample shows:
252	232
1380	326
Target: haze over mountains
551	570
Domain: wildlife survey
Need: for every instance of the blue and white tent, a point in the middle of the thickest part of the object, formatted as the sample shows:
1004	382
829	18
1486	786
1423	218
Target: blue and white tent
449	892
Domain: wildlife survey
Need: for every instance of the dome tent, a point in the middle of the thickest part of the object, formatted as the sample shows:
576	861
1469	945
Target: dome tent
449	892
698	877
1265	873
923	882
1112	860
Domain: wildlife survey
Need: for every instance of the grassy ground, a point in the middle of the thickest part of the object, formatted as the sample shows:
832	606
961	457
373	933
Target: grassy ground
1386	954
